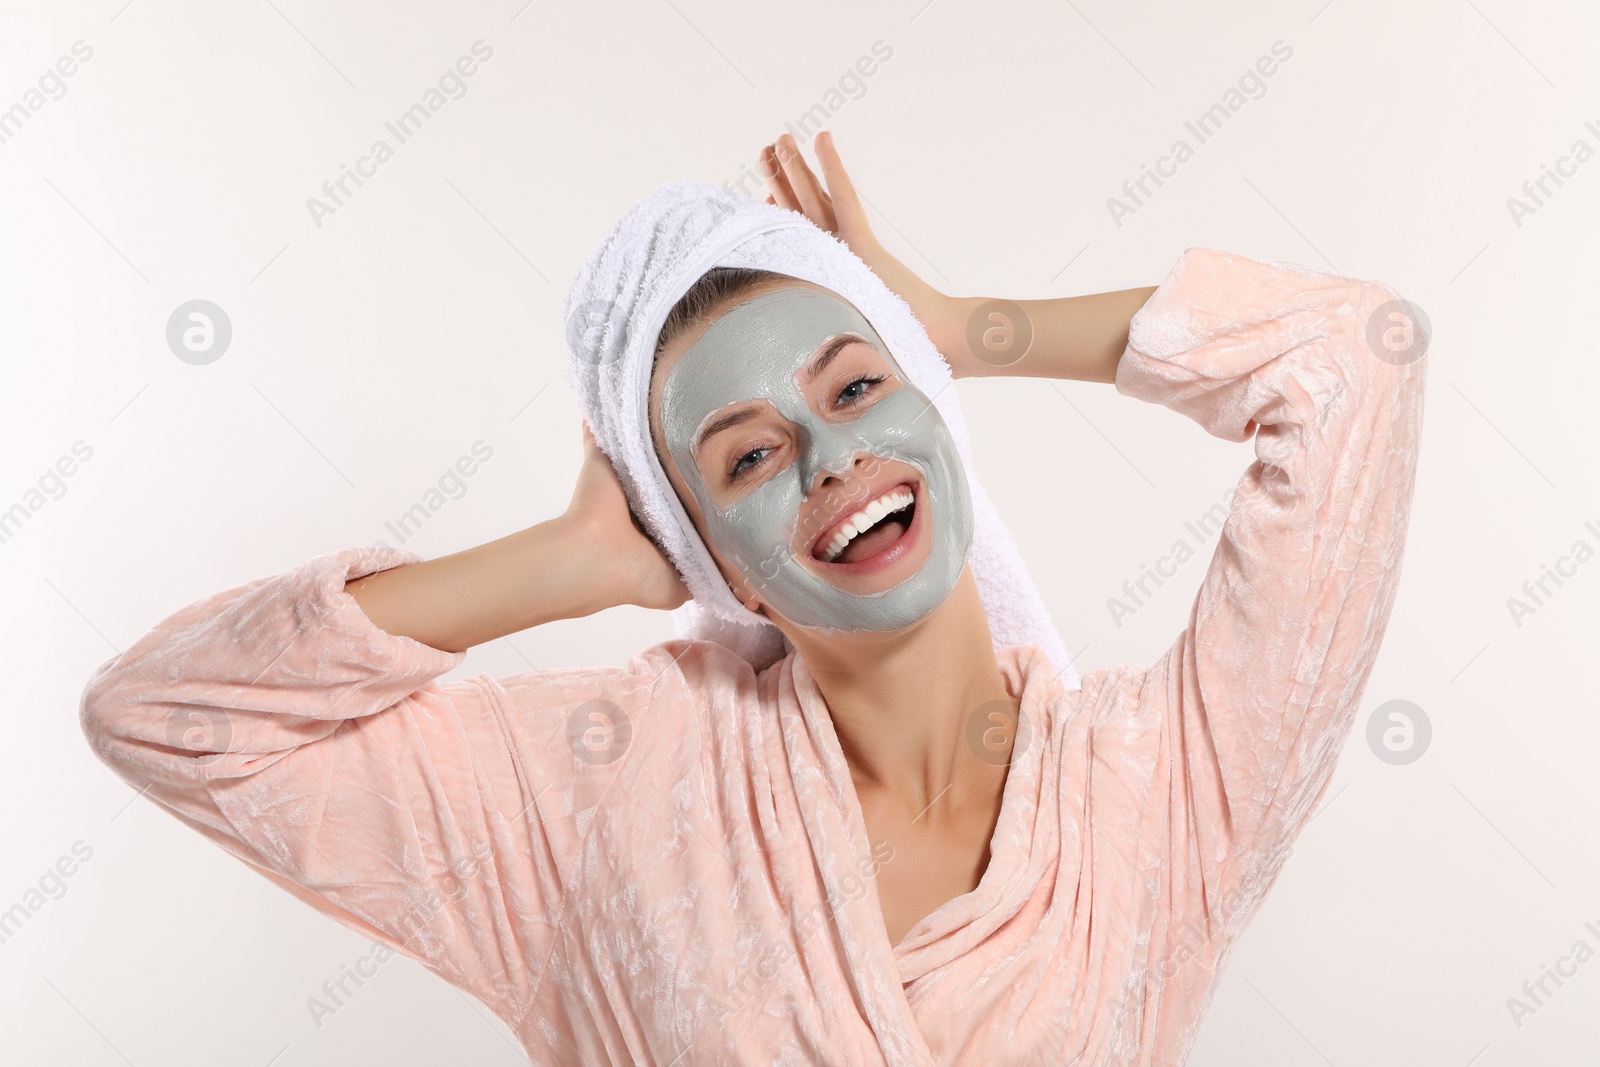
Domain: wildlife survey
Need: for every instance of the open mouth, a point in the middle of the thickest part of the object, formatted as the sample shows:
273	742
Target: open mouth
871	531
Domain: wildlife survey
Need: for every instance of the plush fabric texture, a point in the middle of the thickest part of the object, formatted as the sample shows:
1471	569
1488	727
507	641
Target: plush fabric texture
665	862
662	244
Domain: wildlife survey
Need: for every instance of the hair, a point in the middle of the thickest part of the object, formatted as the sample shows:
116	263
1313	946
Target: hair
712	289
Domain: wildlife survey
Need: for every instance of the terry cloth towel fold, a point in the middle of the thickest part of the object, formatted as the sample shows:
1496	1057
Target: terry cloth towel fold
613	314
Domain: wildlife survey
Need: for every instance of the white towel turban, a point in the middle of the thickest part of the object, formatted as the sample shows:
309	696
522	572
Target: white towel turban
613	314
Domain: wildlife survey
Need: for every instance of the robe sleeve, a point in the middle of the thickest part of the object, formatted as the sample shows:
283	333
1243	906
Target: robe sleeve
280	722
1207	764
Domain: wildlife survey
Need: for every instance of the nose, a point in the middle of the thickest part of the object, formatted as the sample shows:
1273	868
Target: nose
829	456
827	478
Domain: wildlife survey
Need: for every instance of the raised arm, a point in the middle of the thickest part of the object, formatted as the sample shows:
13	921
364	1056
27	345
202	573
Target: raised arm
1078	338
590	558
1213	758
284	724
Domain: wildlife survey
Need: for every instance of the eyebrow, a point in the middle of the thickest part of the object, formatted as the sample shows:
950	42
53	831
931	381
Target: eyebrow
723	422
820	361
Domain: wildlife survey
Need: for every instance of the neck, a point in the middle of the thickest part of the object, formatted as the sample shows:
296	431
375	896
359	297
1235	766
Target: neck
901	702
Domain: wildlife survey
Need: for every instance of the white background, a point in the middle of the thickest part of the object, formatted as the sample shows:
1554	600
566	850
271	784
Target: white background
371	352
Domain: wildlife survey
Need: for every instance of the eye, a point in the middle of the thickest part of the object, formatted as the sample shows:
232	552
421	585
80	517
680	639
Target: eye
850	395
746	463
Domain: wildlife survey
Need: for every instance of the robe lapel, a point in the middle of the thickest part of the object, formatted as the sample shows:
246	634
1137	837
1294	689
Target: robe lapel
839	845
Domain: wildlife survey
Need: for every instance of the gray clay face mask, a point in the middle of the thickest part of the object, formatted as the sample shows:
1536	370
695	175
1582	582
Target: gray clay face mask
754	352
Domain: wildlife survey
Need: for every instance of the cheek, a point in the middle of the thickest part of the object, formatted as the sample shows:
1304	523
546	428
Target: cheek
744	580
721	536
758	533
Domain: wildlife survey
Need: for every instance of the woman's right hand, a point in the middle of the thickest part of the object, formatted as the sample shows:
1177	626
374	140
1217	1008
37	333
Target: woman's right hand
629	566
838	211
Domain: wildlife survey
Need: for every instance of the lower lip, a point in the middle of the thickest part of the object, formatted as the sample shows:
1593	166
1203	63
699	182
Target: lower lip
889	556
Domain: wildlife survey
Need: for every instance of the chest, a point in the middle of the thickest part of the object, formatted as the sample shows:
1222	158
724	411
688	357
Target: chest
931	857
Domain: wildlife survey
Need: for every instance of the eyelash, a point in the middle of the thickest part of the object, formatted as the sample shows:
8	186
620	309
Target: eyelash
870	380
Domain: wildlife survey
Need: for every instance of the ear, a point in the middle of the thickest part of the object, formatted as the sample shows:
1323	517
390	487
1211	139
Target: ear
744	591
749	597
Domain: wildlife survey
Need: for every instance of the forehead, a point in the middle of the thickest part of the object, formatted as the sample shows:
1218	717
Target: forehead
754	348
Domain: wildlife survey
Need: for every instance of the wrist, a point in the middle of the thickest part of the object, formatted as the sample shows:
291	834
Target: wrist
944	317
565	564
937	312
947	322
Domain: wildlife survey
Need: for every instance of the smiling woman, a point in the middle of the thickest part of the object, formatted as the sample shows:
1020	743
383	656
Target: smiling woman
901	832
784	417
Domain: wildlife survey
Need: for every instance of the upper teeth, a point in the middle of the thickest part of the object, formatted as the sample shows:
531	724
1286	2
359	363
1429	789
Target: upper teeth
866	519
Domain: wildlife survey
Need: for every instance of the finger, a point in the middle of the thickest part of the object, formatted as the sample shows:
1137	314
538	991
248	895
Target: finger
776	180
813	200
847	207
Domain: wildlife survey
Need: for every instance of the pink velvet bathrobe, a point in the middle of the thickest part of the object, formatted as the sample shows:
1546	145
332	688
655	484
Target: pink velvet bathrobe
665	862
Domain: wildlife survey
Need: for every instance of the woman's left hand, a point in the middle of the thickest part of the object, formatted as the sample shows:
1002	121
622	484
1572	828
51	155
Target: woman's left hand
837	210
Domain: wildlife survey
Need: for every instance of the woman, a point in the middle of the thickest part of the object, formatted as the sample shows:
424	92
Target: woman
897	838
